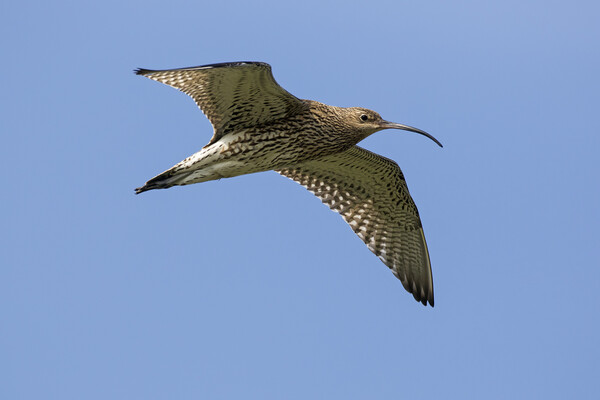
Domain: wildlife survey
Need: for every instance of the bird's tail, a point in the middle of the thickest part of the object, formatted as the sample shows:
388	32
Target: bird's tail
165	180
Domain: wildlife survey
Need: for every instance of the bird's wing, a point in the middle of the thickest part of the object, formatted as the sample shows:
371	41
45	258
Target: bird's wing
370	193
232	95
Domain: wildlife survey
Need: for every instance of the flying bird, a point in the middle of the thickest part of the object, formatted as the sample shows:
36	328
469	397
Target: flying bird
259	126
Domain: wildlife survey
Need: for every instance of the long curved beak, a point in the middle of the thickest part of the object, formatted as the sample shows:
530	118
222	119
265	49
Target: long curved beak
393	125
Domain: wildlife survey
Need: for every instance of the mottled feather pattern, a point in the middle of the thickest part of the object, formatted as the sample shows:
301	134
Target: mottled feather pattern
370	193
259	126
232	96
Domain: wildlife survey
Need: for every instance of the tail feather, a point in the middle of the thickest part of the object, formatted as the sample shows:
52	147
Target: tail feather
164	181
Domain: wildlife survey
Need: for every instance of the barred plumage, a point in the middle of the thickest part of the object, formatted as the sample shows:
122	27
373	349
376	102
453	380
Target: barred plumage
258	126
370	193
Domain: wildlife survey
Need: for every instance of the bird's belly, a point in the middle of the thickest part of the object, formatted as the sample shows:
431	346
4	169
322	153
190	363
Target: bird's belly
248	152
233	156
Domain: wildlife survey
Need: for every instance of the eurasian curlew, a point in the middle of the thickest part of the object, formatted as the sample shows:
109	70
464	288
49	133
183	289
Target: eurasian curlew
259	126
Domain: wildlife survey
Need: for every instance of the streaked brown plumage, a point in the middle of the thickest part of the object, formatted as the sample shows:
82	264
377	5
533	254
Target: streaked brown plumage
258	126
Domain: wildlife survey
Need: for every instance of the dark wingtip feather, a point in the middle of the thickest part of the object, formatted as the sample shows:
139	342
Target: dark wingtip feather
142	71
428	298
424	300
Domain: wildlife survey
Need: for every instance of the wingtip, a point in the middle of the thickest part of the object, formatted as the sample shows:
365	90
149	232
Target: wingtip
425	300
141	71
429	298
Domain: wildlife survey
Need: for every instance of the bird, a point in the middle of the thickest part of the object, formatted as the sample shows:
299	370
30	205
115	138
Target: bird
259	126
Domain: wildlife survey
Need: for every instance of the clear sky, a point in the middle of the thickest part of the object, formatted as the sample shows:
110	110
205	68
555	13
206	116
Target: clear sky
251	288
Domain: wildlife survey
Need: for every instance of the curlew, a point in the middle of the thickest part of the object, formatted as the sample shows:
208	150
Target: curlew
259	126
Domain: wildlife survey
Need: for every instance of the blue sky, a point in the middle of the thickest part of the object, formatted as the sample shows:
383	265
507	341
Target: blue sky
250	287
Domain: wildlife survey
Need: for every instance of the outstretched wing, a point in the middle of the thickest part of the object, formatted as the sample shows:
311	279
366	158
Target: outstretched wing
370	193
232	95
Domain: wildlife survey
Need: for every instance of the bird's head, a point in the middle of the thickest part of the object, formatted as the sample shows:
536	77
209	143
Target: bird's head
367	122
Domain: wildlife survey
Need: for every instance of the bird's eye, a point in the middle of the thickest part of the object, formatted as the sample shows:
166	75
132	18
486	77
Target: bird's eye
364	117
